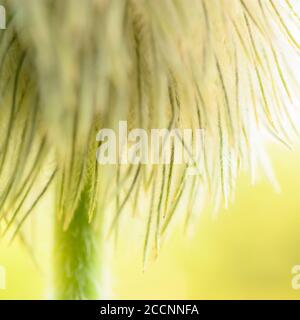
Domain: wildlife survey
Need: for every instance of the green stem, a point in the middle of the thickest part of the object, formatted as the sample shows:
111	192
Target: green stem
77	255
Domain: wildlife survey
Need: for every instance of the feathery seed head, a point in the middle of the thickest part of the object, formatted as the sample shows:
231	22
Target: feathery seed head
70	68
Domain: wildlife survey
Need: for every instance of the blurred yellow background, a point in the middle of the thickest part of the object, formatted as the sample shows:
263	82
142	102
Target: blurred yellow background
246	253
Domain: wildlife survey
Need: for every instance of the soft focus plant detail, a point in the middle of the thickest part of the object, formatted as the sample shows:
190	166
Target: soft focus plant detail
71	68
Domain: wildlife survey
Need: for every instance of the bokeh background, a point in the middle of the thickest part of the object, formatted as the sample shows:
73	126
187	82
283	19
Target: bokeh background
246	252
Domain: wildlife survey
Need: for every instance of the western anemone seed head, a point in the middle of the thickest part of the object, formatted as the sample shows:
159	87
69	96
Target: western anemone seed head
70	68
